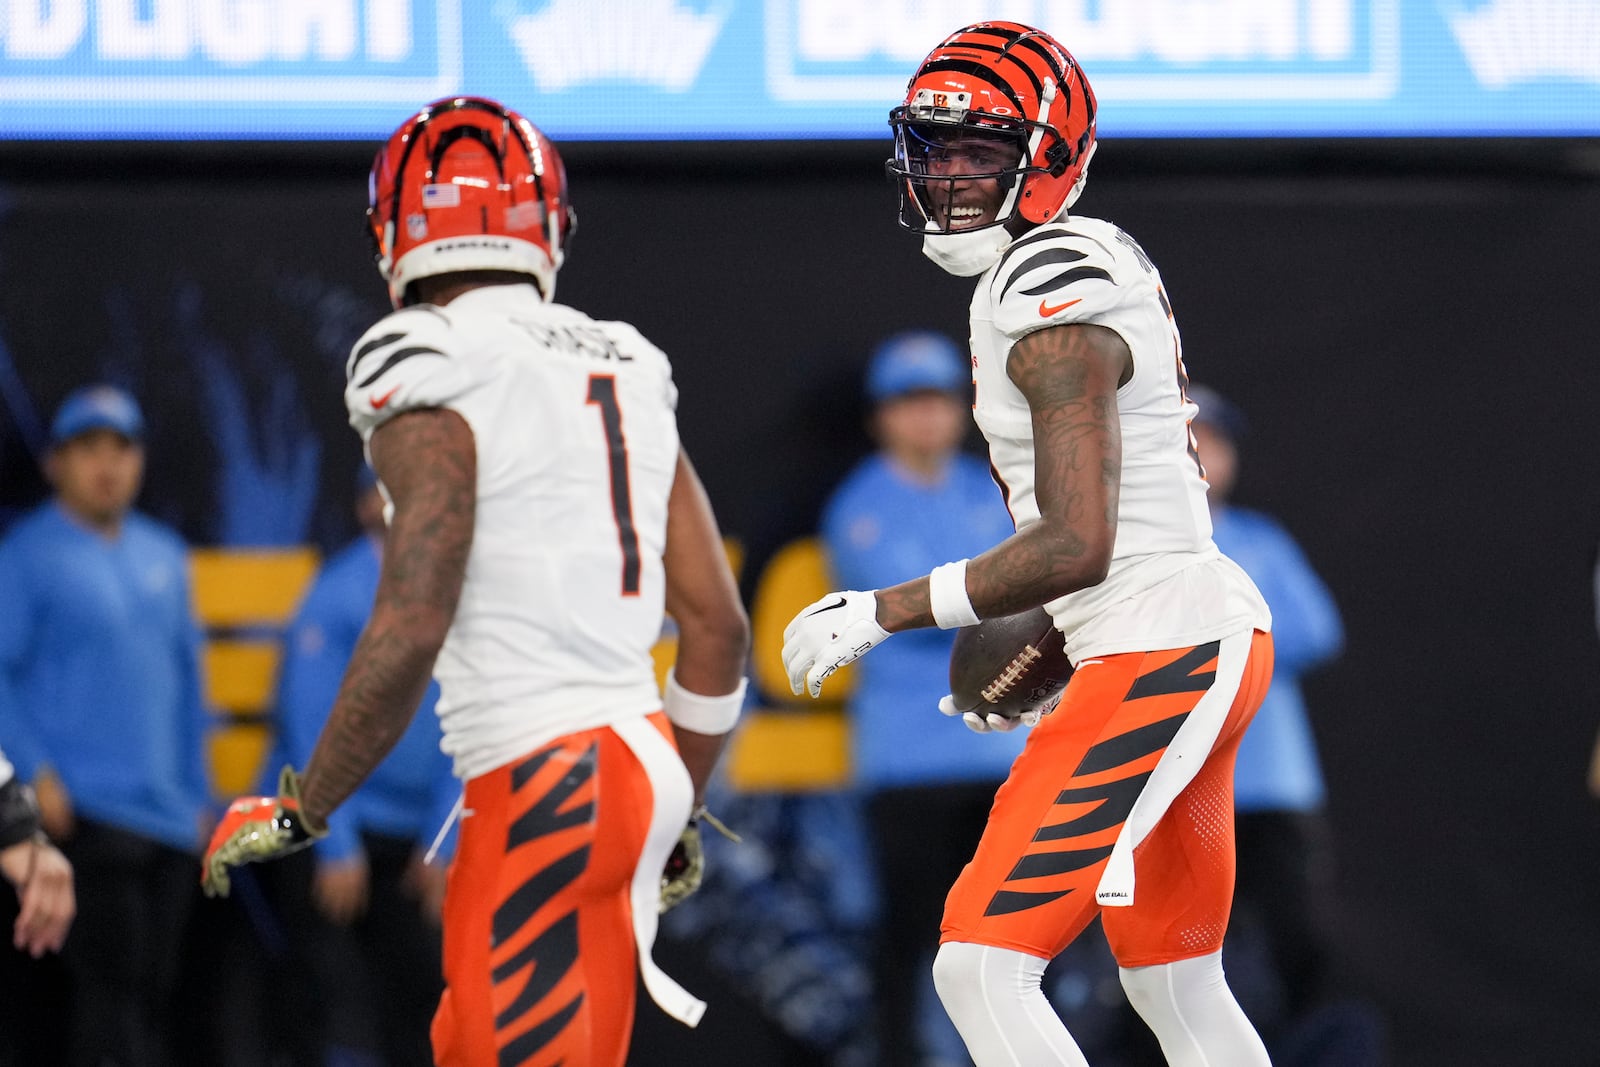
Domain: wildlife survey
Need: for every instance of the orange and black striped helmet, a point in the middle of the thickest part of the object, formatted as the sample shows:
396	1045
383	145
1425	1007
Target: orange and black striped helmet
468	184
999	80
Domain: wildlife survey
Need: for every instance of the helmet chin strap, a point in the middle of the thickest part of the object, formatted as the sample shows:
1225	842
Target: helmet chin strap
971	252
1083	179
552	228
1046	98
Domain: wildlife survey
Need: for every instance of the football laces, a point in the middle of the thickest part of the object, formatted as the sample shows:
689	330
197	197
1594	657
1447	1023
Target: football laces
1003	683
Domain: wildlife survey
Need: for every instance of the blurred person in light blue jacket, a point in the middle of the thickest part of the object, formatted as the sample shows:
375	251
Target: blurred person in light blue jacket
101	712
1283	903
1279	770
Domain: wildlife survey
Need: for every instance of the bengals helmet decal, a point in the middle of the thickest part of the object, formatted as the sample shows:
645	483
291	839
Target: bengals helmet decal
468	184
1009	84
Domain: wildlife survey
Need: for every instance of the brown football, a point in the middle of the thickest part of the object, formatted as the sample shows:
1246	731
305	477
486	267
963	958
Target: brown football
1010	664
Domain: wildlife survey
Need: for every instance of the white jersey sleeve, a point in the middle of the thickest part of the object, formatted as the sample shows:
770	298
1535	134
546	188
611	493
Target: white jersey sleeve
1057	275
413	358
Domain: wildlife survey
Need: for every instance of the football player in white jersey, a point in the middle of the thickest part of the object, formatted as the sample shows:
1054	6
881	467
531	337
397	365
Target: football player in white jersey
1121	802
542	516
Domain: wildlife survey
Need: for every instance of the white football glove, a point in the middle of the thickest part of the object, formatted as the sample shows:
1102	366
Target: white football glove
991	723
836	630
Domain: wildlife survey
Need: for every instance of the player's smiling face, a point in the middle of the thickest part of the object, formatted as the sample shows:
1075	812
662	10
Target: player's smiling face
973	166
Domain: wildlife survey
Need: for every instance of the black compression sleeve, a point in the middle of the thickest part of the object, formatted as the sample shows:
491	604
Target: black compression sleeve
19	813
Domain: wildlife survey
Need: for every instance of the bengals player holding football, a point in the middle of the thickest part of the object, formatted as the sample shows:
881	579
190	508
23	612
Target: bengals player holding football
1121	801
542	516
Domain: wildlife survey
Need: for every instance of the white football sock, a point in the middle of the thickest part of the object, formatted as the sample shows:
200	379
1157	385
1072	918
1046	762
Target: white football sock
1191	1010
994	998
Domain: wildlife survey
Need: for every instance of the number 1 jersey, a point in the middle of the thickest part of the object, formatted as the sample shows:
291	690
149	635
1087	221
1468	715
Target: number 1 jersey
575	427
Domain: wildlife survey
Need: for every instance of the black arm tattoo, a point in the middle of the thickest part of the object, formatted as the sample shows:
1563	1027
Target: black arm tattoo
427	460
1069	375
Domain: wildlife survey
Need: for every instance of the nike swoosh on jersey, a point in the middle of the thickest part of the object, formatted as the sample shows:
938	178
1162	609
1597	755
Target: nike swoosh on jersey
378	402
1047	310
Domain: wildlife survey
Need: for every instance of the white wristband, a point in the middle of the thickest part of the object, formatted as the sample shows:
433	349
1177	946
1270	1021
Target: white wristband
702	714
947	595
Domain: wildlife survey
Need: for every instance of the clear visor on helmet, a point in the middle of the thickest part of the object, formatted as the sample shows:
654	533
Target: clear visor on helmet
955	175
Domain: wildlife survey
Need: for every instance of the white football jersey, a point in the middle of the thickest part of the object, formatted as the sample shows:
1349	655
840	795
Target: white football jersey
1168	587
576	432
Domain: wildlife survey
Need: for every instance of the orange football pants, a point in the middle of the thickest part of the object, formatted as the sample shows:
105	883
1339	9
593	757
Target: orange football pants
1031	884
539	951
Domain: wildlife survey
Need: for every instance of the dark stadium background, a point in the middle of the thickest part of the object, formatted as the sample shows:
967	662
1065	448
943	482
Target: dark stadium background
1413	328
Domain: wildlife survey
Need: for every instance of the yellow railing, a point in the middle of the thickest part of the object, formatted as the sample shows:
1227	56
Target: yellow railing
246	598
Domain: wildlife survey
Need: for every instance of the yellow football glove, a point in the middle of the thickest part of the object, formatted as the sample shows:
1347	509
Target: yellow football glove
686	867
255	829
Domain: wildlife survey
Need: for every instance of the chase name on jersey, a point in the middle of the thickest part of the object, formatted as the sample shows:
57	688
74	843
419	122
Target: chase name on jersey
582	341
